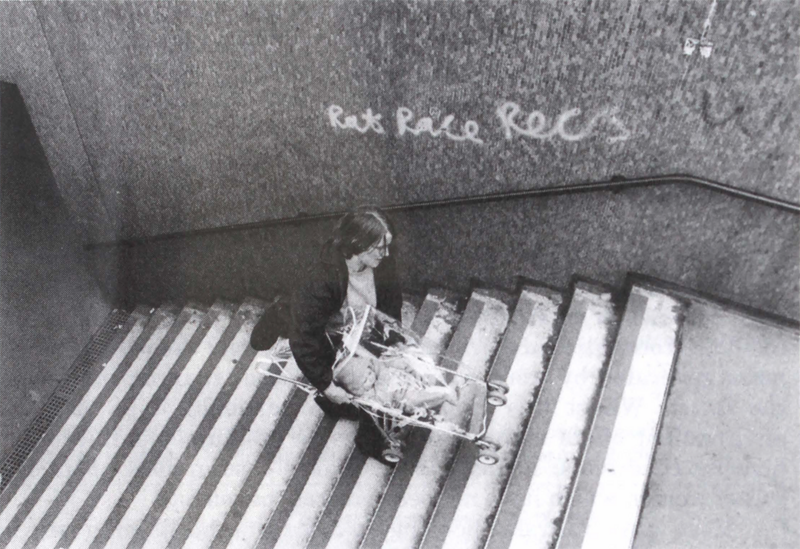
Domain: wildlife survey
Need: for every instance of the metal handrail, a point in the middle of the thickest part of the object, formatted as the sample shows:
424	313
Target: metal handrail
615	184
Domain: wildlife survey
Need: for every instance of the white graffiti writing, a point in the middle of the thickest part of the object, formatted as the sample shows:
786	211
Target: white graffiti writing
469	130
536	124
371	121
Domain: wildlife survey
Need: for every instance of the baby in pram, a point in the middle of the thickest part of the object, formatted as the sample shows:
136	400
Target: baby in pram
393	383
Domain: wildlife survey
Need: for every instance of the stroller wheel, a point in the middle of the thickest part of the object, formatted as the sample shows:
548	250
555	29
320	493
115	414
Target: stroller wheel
487	457
392	454
497	386
496	398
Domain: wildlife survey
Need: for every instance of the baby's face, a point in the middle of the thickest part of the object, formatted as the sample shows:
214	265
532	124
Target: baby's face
361	377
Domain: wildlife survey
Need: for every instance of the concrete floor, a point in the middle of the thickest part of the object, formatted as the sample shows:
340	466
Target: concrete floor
726	471
50	305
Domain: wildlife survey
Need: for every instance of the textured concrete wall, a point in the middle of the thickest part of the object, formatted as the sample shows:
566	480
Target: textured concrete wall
202	114
26	61
49	303
700	239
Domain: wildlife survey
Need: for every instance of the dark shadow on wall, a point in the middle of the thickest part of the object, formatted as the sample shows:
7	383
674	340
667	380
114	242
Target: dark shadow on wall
732	248
50	304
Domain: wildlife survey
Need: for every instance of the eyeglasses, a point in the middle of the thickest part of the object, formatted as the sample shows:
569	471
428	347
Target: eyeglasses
382	247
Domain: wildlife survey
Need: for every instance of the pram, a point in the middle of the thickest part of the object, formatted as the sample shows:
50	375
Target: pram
379	336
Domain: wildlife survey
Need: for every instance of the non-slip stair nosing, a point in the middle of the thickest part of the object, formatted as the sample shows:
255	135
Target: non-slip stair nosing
294	490
234	515
523	318
120	455
338	500
577	317
221	463
114	518
35	436
193	447
80	430
141	423
162	315
589	435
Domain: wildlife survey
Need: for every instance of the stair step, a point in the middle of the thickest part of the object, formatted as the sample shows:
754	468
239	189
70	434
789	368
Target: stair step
541	480
35	475
436	322
83	369
115	449
179	441
521	362
106	514
411	305
92	425
269	476
605	506
470	352
199	408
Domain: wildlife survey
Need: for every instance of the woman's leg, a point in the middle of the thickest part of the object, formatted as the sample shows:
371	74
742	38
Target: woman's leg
346	411
370	440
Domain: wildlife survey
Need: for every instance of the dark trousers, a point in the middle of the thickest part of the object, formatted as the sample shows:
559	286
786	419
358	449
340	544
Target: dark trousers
369	438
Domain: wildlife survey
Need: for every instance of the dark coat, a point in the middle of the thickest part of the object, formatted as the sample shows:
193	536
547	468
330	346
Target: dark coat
320	299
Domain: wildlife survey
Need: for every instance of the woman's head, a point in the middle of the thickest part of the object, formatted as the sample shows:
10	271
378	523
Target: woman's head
364	233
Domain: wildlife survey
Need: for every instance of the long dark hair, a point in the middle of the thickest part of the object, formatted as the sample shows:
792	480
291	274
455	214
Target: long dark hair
359	230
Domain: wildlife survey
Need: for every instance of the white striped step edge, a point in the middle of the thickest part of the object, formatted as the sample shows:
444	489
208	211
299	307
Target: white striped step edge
100	420
366	496
472	520
217	507
149	436
149	491
68	428
618	500
419	500
548	491
101	462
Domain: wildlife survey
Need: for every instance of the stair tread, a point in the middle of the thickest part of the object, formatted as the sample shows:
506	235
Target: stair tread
180	441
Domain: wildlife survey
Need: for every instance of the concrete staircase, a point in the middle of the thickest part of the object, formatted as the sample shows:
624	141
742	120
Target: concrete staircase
175	440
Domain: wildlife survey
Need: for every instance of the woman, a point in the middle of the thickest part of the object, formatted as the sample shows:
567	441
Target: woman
355	269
